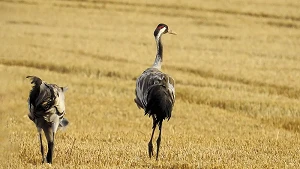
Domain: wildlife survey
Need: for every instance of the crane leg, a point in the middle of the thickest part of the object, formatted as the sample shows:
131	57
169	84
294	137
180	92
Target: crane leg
150	145
42	148
50	151
158	139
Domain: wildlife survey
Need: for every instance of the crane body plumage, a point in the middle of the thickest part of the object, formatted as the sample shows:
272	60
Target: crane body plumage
155	93
47	109
155	90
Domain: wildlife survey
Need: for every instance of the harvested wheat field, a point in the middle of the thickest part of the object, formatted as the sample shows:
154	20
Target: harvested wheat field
235	63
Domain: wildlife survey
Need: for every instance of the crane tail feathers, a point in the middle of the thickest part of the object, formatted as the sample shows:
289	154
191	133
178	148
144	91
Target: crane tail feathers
63	123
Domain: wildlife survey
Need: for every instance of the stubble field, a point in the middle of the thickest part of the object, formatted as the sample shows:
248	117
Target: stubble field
235	63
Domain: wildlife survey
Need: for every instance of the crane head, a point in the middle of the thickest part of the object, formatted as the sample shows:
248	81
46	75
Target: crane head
162	29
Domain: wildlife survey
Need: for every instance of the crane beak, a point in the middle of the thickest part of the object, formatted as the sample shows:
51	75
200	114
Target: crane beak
172	32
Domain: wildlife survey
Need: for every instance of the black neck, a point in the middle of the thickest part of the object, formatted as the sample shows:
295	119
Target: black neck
159	54
159	48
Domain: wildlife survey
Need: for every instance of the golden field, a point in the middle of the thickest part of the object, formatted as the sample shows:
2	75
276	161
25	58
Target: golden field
235	63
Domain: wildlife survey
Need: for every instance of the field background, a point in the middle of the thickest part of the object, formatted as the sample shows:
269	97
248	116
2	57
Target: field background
236	66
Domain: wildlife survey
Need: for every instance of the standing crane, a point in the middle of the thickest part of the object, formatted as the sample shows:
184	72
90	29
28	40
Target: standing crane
46	105
155	90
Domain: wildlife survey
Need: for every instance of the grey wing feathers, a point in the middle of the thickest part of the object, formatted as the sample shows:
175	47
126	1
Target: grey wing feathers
149	78
171	88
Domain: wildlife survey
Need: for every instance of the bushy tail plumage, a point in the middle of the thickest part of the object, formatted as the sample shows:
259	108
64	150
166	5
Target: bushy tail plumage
159	103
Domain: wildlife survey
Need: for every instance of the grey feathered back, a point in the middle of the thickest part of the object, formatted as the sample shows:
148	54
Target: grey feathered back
45	99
